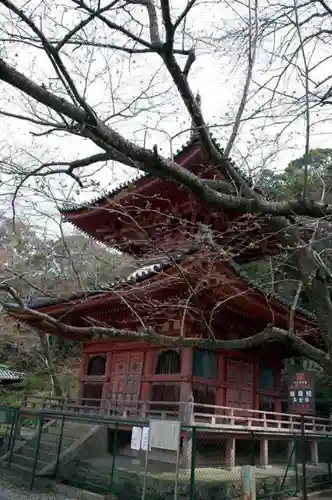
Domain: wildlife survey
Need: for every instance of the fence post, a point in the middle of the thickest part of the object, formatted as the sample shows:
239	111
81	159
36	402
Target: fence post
296	450
59	446
12	444
12	428
113	453
303	460
193	464
329	469
34	468
248	482
252	448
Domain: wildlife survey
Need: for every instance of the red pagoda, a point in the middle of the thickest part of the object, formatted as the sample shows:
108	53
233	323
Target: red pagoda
184	288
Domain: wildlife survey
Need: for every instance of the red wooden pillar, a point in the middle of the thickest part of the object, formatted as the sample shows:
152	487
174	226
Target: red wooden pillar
256	387
230	452
220	391
84	364
187	356
278	389
83	371
186	373
187	362
149	357
108	371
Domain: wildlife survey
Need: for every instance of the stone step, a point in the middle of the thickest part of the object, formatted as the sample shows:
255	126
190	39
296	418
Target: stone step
47	452
24	470
28	462
44	447
54	438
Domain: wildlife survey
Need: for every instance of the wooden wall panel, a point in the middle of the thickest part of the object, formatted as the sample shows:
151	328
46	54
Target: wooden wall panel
240	384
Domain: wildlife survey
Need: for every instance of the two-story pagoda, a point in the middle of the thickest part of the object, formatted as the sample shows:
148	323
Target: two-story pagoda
182	289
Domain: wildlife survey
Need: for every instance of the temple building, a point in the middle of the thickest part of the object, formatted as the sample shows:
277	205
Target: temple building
186	288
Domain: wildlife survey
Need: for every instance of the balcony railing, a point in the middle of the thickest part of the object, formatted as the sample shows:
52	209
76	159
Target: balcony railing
219	417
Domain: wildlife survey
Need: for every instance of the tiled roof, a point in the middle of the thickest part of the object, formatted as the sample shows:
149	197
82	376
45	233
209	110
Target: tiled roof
7	374
71	207
147	272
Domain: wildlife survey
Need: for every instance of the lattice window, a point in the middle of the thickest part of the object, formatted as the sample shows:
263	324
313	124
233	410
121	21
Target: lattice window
97	365
267	379
205	364
169	362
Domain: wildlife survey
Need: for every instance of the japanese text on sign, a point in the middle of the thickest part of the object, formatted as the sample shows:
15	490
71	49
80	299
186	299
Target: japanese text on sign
301	393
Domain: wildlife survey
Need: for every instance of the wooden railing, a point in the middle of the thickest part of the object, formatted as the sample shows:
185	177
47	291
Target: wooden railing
209	416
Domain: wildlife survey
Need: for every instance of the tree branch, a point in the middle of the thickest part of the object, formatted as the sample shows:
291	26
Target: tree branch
112	25
82	24
253	34
326	7
78	42
269	334
153	21
169	30
182	16
120	149
53	56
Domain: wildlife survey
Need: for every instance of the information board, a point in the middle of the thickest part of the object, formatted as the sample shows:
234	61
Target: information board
165	434
301	393
145	438
136	438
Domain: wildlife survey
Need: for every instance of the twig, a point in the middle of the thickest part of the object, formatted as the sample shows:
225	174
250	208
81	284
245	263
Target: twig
253	34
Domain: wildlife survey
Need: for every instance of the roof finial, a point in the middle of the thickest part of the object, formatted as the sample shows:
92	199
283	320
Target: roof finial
194	132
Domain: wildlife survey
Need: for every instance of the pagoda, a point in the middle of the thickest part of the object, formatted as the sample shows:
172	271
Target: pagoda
185	287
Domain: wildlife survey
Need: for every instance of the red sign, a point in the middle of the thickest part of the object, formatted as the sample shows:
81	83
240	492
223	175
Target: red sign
301	393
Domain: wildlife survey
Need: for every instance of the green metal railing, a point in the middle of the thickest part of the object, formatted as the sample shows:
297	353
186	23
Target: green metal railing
123	472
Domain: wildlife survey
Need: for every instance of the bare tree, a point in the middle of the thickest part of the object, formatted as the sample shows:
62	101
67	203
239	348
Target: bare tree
58	100
35	264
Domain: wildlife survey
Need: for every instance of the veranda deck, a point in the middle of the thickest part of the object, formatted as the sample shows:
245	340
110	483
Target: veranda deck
228	419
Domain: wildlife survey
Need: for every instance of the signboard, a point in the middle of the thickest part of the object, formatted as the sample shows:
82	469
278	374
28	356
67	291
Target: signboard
145	438
136	438
162	434
139	438
301	392
165	434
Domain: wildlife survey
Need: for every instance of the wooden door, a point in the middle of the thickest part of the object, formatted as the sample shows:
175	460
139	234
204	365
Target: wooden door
132	387
125	381
240	385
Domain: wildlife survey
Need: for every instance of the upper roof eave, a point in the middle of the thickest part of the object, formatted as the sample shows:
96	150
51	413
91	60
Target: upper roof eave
71	209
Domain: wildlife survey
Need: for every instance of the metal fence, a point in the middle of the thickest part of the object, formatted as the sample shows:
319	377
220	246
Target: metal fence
109	455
